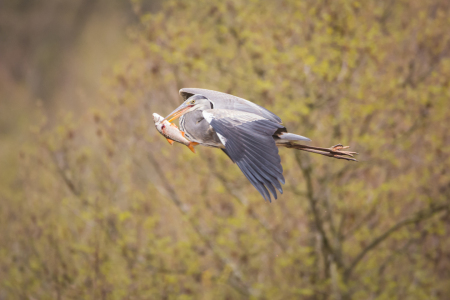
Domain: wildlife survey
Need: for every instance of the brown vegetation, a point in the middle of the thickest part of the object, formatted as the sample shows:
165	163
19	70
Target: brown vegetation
101	207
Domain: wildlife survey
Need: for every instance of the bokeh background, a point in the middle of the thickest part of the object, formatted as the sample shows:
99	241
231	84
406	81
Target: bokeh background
95	204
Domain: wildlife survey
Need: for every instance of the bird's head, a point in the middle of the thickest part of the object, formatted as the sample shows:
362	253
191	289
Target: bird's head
195	102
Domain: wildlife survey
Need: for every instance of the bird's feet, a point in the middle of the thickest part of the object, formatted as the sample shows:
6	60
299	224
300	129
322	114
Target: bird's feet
336	152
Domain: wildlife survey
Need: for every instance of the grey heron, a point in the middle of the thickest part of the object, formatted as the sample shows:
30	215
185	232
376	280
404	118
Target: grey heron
248	133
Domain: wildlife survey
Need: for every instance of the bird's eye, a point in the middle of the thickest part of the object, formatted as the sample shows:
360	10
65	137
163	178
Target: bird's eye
192	102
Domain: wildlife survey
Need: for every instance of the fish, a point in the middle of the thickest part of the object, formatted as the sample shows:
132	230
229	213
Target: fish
171	132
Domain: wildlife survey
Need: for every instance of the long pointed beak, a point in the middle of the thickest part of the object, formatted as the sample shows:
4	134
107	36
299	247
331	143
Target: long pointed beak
178	112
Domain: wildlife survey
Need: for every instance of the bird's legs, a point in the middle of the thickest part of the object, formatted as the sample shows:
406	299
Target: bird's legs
334	151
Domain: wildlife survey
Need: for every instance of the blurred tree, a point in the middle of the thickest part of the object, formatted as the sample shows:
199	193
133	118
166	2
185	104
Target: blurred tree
103	208
37	37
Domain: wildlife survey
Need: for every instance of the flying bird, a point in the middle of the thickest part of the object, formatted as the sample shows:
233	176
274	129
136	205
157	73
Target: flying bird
248	133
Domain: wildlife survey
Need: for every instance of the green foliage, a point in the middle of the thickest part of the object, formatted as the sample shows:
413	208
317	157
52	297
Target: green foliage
103	208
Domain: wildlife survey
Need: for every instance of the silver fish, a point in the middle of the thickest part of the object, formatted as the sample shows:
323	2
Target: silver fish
171	132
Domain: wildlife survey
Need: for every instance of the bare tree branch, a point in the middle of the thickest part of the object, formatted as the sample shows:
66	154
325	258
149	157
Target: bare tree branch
307	171
420	216
243	202
235	279
361	222
69	183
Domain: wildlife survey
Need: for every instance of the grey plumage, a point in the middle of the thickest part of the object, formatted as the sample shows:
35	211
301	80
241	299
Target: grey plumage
226	101
248	133
249	143
197	129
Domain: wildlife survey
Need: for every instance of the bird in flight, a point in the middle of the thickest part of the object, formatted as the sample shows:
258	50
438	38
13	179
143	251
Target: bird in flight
248	133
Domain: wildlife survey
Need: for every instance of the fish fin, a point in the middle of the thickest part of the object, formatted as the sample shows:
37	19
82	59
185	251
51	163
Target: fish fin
191	146
173	125
170	141
183	134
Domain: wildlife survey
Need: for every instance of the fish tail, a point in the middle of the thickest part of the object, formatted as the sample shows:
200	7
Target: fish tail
191	146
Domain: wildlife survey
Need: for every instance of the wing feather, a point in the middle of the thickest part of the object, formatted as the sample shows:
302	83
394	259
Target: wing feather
273	180
226	101
249	143
248	172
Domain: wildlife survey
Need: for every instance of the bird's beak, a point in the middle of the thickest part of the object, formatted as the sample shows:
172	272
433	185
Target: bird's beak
178	112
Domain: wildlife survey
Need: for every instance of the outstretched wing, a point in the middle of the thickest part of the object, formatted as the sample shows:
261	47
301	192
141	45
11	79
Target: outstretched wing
226	101
249	143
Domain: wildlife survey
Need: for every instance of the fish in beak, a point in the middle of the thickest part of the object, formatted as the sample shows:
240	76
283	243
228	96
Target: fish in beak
171	132
179	111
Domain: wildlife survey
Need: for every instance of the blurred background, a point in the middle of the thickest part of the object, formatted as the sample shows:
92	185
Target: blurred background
95	204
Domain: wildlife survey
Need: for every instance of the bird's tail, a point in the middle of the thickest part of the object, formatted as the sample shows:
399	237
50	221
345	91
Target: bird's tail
336	151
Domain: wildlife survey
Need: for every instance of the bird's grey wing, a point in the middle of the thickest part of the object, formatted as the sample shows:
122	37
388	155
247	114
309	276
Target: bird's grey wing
226	101
249	143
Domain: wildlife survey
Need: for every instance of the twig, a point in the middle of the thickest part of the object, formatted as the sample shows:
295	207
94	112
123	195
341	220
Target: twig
252	214
235	279
306	170
415	219
358	225
75	191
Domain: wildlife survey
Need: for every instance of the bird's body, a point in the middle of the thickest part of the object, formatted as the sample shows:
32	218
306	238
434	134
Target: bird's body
219	100
198	130
248	133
